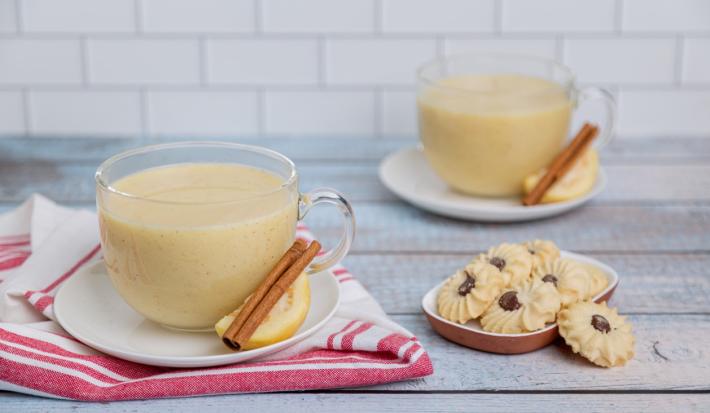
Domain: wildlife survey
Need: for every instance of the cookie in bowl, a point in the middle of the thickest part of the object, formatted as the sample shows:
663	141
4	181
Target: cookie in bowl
469	292
572	281
512	260
542	251
524	308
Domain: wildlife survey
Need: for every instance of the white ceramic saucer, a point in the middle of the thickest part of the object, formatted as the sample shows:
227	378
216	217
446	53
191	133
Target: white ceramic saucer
89	308
408	175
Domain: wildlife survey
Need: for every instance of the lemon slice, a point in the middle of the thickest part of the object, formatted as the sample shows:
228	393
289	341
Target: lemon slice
282	321
576	182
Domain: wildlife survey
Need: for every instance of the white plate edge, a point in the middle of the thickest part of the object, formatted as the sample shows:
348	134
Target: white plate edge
533	213
199	361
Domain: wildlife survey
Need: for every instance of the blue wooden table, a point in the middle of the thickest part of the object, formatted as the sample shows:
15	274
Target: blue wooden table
652	224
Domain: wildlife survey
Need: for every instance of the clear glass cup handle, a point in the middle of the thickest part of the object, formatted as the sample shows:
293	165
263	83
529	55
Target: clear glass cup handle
594	93
332	197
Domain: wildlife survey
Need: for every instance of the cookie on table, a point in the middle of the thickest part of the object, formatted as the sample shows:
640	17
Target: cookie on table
469	292
512	260
524	308
542	251
597	332
572	280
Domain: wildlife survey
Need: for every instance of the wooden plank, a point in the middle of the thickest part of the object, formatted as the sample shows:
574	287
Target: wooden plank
74	182
649	283
394	227
334	150
389	402
671	355
390	228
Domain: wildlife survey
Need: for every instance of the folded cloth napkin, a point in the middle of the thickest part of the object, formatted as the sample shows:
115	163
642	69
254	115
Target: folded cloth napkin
43	244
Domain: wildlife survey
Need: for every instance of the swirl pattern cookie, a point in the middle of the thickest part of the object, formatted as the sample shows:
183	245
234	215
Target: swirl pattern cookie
572	281
598	333
512	260
599	282
469	292
542	251
527	307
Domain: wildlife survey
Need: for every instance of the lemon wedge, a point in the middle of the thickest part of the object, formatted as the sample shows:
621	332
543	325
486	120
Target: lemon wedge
576	182
282	321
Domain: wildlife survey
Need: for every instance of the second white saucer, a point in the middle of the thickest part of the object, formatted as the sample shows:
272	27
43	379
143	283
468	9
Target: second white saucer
407	174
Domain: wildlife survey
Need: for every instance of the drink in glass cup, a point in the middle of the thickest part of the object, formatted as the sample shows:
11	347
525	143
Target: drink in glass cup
488	121
189	230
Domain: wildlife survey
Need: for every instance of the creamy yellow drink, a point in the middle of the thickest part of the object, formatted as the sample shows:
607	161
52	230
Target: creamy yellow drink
483	134
198	241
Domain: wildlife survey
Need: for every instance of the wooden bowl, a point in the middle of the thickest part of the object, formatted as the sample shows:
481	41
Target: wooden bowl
473	336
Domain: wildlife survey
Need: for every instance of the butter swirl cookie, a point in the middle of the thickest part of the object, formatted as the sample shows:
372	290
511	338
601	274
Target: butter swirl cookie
524	308
599	282
598	333
469	292
542	251
572	281
512	260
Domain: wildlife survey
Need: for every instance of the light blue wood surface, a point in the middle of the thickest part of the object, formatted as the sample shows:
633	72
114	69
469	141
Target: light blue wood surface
652	225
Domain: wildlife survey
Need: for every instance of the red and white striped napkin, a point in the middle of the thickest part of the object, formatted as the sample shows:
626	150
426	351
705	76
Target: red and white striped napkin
43	244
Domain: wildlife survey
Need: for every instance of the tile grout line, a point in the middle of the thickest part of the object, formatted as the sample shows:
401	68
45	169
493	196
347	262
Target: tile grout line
498	17
138	15
20	28
143	96
619	17
378	115
261	112
202	56
560	48
258	17
440	46
26	108
593	35
378	11
84	55
679	60
322	70
211	86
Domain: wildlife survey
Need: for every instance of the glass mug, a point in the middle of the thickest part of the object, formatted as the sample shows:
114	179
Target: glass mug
486	121
185	264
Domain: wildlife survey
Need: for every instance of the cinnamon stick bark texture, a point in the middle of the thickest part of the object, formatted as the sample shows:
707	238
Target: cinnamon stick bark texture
235	338
255	298
562	163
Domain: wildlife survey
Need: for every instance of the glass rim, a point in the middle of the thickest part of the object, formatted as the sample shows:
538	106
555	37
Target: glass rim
105	165
431	82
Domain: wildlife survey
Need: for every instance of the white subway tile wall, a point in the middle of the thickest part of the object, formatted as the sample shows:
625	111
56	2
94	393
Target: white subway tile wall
340	68
11	114
76	16
143	61
199	113
85	112
321	113
262	61
442	16
194	16
8	11
317	16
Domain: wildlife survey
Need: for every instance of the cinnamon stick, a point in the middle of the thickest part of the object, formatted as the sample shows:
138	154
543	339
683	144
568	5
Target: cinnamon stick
239	336
562	163
286	261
